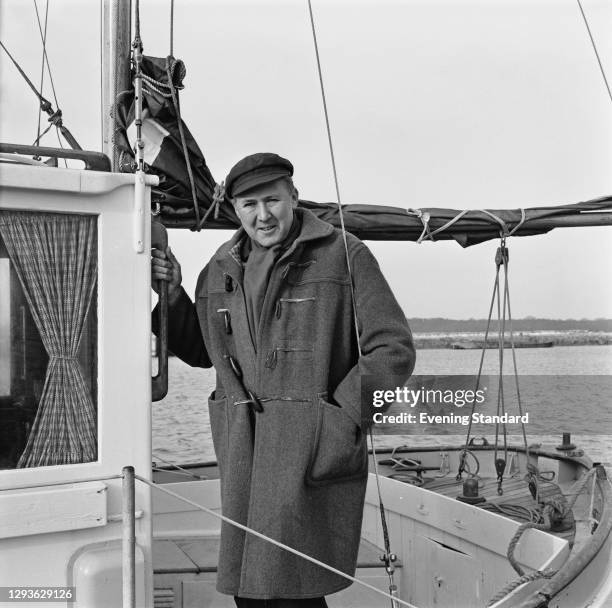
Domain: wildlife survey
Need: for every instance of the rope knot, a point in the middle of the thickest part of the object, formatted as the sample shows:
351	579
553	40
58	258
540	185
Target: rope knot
555	509
424	217
218	197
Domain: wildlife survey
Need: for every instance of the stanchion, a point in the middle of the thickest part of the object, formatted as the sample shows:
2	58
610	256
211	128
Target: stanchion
128	503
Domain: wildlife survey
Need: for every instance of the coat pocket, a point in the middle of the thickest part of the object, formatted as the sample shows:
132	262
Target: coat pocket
339	450
217	412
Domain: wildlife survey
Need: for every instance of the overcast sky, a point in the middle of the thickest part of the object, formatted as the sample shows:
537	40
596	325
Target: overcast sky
460	104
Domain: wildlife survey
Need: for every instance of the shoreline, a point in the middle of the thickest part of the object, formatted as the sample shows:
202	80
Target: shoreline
522	339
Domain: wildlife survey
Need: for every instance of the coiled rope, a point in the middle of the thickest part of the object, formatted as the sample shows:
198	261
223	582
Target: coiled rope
554	509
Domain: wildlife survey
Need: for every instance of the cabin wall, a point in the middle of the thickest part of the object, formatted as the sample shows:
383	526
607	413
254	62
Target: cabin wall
452	554
67	534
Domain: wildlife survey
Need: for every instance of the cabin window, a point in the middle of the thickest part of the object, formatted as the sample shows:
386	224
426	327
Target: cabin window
48	339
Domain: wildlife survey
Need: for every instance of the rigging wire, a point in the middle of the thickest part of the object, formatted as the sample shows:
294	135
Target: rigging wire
334	169
54	119
101	63
388	558
172	28
236	524
28	81
46	57
42	70
586	22
515	366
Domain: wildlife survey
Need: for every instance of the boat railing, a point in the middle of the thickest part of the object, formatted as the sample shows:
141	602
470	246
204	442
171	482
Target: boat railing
93	161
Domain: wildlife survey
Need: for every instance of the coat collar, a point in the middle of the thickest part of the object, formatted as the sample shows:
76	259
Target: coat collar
312	229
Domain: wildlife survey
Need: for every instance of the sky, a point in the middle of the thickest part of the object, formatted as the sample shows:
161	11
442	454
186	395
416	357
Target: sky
447	103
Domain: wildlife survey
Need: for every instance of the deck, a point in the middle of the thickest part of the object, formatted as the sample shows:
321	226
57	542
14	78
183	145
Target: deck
185	573
185	566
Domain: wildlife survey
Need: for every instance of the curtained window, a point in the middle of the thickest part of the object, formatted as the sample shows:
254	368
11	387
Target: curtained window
48	375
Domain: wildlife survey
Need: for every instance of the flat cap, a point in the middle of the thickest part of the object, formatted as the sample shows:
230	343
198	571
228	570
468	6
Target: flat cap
255	170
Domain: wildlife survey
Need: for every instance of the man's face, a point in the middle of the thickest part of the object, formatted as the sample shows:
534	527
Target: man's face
266	211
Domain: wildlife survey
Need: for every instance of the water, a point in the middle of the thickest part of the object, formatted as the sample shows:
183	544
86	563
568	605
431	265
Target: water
565	387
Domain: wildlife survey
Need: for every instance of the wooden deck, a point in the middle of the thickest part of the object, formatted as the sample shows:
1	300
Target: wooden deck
515	494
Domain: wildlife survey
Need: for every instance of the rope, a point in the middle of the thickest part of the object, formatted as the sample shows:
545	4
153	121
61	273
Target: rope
526	578
554	509
389	558
175	102
581	483
157	86
424	217
116	154
592	520
271	540
41	135
428	234
179	468
462	460
595	49
515	366
529	514
497	219
501	325
517	537
169	90
504	312
520	223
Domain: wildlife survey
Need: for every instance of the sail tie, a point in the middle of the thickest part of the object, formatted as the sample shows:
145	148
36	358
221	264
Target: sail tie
428	234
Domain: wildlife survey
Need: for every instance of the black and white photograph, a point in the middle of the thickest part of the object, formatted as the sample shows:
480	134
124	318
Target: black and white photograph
306	303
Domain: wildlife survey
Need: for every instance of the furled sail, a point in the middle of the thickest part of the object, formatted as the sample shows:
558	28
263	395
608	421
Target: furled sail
382	223
169	144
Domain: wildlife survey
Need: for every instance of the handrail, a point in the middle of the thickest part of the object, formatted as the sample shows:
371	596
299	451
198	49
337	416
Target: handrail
128	510
159	384
94	161
65	482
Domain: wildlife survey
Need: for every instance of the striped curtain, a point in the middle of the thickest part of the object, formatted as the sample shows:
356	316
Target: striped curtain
55	257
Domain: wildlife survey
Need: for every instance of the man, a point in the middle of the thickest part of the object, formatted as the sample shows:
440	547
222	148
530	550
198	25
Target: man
274	314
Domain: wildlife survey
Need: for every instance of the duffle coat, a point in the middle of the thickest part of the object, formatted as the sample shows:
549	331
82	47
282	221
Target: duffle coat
297	470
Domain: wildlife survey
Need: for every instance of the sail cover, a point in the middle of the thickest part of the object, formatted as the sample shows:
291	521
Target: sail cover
381	223
169	144
165	156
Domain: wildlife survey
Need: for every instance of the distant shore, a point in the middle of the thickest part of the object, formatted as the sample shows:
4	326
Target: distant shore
577	337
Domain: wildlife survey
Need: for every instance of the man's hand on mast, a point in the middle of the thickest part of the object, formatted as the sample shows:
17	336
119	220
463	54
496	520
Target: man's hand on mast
165	267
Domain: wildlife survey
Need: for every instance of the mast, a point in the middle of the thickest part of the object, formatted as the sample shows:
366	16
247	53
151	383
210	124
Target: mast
116	48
